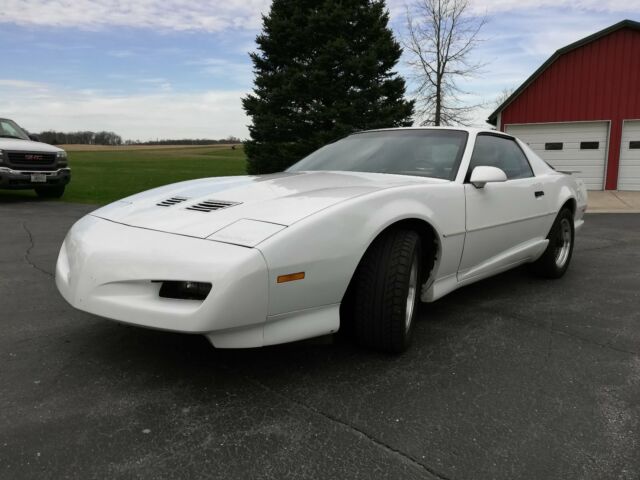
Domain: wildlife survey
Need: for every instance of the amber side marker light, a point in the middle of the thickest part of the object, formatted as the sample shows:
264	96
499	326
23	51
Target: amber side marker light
290	277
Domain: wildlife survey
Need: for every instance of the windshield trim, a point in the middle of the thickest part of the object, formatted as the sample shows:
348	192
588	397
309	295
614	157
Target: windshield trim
410	129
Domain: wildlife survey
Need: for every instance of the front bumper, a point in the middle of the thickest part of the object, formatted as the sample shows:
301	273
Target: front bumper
22	179
112	270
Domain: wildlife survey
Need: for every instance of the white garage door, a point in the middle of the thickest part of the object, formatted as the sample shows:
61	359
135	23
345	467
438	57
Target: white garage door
579	147
629	171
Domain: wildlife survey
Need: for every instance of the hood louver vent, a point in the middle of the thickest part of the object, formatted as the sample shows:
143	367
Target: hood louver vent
171	201
209	205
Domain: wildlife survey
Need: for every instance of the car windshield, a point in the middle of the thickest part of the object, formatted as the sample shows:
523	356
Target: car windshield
420	152
10	129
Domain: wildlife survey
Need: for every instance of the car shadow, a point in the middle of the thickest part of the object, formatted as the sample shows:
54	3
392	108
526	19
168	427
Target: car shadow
18	196
166	357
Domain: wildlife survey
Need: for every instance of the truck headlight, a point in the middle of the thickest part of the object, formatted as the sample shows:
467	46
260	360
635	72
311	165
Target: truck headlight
61	158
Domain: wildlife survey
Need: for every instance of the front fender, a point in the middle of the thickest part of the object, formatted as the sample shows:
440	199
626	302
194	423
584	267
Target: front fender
329	245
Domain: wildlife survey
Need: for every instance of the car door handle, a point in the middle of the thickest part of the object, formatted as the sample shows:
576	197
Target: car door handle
538	193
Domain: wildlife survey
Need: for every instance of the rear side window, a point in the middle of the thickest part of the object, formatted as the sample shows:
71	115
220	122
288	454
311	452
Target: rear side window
503	153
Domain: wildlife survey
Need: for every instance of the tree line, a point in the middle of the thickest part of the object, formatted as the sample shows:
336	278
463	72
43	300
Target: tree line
186	141
53	137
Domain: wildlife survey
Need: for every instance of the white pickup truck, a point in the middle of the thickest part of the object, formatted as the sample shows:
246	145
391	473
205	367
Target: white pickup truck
29	164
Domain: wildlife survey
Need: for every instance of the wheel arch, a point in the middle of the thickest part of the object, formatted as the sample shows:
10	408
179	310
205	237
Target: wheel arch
566	197
570	203
431	242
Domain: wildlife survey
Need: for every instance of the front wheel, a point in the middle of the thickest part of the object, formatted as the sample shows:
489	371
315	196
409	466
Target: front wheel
554	262
50	192
387	290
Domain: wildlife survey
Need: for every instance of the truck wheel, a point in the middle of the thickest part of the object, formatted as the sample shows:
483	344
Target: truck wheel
555	260
387	290
50	192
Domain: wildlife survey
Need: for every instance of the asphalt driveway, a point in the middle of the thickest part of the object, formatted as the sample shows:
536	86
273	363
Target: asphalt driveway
513	377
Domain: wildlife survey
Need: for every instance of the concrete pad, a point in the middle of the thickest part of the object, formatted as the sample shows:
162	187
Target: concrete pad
632	199
612	201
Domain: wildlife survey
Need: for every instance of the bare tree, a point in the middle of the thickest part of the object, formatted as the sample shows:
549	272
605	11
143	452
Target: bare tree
441	34
502	97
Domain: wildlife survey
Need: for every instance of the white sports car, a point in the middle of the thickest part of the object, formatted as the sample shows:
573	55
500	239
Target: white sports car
351	237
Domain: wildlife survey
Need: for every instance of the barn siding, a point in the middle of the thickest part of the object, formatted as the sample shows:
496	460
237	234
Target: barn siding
597	81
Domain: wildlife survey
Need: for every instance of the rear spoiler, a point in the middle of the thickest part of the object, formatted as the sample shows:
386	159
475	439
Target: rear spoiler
566	172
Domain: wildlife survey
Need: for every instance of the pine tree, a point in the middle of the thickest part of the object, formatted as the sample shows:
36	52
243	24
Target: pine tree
324	69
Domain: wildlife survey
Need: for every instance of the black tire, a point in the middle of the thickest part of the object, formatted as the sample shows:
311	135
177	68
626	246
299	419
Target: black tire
50	192
382	315
555	260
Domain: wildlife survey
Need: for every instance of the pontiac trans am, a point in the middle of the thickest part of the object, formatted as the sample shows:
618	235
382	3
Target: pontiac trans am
351	237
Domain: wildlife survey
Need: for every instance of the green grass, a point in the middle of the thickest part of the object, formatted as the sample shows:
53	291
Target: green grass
104	176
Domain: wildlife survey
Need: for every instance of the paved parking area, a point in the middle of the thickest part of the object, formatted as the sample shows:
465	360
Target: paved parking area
513	377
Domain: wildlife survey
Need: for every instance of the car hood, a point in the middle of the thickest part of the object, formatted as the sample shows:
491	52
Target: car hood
282	198
16	145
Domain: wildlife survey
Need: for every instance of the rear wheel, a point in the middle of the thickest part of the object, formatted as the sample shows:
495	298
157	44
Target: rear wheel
554	262
50	192
386	291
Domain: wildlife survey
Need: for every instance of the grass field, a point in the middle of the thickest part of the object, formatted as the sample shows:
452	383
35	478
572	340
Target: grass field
105	175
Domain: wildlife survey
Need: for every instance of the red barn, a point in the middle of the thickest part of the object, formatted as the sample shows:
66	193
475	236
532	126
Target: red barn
580	110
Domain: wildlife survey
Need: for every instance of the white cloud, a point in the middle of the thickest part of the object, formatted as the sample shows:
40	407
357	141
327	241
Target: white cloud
494	6
22	84
219	15
240	72
152	80
181	15
396	7
210	114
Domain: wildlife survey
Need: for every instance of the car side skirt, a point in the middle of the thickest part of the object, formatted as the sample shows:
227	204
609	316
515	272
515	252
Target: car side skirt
523	253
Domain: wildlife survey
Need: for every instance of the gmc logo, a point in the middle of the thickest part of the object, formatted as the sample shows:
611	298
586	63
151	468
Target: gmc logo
30	156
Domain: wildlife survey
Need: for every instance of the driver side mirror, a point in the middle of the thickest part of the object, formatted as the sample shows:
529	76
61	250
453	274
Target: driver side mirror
483	175
34	137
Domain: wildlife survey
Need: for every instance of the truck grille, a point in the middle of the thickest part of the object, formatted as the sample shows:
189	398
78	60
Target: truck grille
32	161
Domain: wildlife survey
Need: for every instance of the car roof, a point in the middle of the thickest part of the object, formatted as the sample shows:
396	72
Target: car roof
473	130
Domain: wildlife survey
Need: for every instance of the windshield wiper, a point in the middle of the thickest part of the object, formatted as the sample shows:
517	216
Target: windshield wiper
11	136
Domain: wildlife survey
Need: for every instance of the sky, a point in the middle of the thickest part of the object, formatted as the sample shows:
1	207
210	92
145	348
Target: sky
149	69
